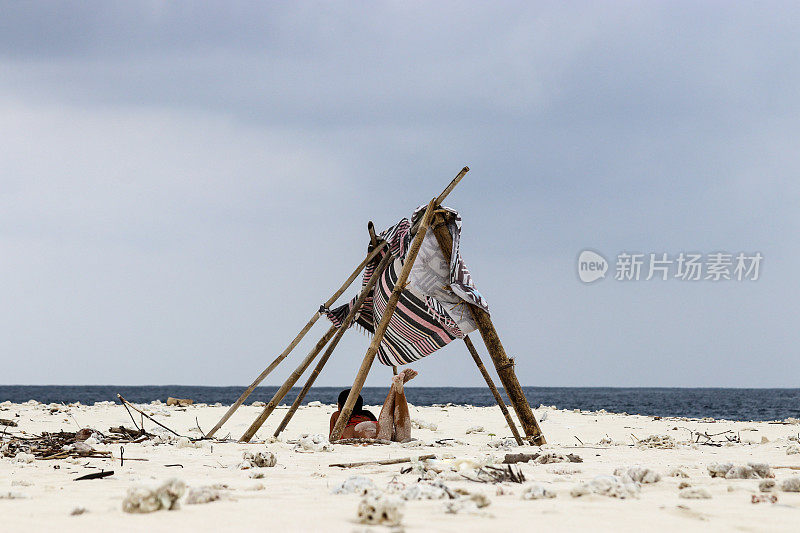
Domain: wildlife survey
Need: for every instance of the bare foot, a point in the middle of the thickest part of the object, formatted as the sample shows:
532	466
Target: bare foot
408	375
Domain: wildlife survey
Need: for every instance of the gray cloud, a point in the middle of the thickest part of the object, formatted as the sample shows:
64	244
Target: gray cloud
182	184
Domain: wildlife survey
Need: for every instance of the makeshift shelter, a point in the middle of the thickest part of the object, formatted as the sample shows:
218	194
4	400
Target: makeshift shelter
416	296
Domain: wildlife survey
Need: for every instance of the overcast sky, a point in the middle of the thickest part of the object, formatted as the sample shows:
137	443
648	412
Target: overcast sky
182	184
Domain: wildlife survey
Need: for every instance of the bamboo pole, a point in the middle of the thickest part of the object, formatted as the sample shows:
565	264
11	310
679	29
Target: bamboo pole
345	324
502	363
289	383
499	399
385	461
447	190
294	342
369	357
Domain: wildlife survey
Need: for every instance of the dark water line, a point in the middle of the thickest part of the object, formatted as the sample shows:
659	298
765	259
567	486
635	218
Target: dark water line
733	404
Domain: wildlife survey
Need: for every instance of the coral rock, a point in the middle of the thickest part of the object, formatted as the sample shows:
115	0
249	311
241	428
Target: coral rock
639	474
202	495
537	492
145	500
791	485
380	510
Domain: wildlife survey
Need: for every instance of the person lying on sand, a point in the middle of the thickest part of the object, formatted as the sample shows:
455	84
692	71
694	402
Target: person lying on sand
394	422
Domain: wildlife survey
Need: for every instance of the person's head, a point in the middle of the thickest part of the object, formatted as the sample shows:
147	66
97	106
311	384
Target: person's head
359	406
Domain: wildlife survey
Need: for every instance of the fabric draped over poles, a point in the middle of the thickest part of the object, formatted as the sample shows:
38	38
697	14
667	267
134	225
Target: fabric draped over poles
432	310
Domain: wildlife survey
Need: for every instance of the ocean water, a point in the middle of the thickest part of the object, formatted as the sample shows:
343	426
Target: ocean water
732	404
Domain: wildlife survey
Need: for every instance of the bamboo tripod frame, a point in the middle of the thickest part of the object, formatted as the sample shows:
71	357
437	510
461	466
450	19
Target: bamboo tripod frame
434	219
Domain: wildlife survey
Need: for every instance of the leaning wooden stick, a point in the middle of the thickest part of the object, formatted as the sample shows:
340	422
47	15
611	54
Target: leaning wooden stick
385	461
502	363
444	194
499	399
366	291
290	381
295	341
366	364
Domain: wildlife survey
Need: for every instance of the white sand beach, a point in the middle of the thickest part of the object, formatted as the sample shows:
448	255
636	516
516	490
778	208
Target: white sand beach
298	493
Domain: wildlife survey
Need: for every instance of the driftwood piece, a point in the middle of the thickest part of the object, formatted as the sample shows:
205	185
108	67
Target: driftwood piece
366	291
369	357
385	461
6	422
374	253
95	475
130	433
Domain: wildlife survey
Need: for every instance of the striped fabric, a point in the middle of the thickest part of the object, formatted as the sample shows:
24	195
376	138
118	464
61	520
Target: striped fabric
430	312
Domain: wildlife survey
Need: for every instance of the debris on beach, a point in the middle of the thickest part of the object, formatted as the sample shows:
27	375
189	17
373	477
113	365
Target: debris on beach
639	474
678	472
313	443
10	495
537	492
470	504
748	471
611	486
694	493
513	458
380	510
23	457
355	485
792	450
664	442
179	402
77	511
435	490
186	442
258	460
496	474
474	429
417	423
553	457
766	485
200	495
791	484
25	449
504	443
146	500
95	475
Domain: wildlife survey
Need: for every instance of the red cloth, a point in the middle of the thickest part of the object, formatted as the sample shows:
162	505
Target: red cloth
357	419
